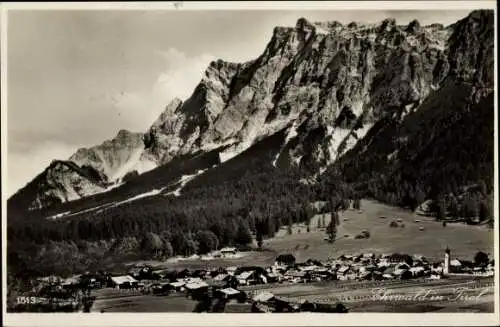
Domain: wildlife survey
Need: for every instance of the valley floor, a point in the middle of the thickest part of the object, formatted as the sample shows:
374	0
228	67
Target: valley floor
463	240
455	294
388	296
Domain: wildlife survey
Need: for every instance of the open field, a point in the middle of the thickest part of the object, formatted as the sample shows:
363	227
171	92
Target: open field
397	296
112	300
460	289
463	240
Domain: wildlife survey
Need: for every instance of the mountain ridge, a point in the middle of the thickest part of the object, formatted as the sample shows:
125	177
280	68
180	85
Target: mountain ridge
325	83
393	113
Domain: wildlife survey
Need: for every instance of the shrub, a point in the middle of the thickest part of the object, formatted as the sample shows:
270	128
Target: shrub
481	259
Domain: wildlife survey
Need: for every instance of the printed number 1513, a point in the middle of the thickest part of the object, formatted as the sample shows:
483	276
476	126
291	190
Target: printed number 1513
26	299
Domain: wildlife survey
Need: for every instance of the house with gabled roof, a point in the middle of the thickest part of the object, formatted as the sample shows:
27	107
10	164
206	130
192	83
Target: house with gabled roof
246	277
125	281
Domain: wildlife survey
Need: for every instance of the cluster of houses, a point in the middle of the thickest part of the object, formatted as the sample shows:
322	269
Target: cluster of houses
229	283
366	266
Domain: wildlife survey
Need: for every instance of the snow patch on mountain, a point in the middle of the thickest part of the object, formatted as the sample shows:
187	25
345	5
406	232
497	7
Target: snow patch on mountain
139	196
59	215
183	181
109	188
71	214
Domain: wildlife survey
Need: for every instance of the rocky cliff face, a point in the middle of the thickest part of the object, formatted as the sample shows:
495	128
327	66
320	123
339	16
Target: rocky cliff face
325	84
449	141
62	181
86	172
113	158
325	78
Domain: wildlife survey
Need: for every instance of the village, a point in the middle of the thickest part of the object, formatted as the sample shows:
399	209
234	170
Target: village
216	288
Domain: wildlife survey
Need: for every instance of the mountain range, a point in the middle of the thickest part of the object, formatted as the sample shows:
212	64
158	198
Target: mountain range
366	102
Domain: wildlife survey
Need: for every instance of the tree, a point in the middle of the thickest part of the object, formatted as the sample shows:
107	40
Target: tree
334	203
356	204
259	232
261	229
272	226
336	217
308	215
482	187
165	235
259	240
152	244
481	259
207	241
440	208
470	208
344	204
419	196
179	243
289	228
453	207
168	251
191	244
331	231
243	234
484	210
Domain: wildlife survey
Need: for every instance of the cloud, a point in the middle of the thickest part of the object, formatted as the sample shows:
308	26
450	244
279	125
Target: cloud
179	79
106	113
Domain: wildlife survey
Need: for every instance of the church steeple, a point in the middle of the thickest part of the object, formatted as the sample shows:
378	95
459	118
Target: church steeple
446	268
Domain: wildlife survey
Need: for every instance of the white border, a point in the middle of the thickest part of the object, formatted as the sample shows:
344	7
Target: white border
259	5
188	319
3	157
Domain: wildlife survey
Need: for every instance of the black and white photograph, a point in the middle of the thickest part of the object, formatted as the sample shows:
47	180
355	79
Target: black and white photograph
324	159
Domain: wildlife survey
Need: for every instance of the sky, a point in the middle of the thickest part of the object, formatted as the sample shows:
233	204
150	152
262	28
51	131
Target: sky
75	78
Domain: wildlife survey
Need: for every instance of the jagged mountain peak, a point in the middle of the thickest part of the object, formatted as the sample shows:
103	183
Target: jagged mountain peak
123	133
303	25
388	23
169	111
413	26
325	84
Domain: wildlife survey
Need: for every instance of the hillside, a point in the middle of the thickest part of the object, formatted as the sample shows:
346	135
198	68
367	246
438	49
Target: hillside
444	145
325	83
328	112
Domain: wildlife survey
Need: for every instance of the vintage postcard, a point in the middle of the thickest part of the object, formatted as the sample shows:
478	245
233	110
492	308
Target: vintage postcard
249	163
